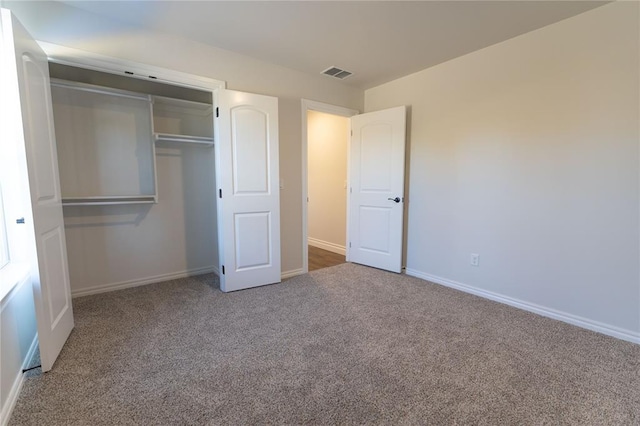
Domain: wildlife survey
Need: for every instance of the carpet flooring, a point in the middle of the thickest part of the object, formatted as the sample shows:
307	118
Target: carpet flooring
341	345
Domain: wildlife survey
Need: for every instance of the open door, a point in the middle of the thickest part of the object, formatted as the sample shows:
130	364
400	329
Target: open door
376	198
26	66
248	192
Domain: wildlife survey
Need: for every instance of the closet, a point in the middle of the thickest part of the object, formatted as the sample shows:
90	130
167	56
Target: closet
115	171
137	176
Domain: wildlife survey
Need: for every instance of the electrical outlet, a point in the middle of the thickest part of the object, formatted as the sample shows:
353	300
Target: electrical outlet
475	259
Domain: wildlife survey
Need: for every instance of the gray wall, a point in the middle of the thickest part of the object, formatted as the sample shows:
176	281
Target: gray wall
18	331
526	153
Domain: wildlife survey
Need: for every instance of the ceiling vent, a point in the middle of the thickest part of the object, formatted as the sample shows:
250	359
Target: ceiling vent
337	73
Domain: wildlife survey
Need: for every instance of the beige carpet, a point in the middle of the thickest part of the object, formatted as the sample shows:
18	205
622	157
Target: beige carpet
342	345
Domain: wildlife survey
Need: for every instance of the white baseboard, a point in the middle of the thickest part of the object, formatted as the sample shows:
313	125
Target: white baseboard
325	245
596	326
291	273
144	281
14	393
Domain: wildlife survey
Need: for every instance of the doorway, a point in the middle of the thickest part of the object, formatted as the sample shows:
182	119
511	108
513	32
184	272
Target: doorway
325	169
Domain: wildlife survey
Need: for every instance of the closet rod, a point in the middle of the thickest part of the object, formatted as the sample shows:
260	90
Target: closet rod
198	140
110	197
106	203
107	200
99	89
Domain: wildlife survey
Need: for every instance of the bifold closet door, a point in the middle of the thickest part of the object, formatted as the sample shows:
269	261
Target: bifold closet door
248	190
27	67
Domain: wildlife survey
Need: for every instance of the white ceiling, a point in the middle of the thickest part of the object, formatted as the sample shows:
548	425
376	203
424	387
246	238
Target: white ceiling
376	40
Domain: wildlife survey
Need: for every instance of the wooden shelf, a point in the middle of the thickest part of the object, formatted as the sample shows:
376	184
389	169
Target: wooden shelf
199	140
109	200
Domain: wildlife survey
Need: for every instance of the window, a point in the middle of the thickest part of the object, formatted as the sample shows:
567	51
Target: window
4	249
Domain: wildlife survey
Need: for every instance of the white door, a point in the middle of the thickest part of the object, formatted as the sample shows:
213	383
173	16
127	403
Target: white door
376	198
50	274
248	190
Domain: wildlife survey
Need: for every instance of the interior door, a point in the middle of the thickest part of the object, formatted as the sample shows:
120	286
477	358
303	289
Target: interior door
32	96
376	198
248	190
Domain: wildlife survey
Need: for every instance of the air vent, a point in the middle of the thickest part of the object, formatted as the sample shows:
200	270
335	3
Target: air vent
337	73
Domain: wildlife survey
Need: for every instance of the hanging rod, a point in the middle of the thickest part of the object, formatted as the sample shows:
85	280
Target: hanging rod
165	137
109	200
99	89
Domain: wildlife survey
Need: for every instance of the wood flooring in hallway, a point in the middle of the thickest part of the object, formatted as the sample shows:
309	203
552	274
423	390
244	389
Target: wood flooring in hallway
319	258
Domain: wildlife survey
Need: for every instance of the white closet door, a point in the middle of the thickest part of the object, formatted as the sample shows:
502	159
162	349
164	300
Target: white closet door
249	193
376	199
50	273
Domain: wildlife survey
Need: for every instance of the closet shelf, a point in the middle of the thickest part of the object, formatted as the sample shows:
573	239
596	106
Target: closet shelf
173	104
109	200
199	140
92	88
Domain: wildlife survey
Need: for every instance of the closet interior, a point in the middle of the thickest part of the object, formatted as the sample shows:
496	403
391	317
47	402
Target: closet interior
137	177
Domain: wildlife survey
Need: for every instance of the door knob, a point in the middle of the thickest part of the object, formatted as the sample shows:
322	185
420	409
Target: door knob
397	199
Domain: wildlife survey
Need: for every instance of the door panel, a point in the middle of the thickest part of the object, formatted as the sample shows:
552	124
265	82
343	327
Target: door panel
54	271
249	207
378	218
250	144
39	168
376	175
253	240
41	159
375	162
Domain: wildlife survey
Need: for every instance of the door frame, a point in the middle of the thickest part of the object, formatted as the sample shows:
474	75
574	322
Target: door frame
309	105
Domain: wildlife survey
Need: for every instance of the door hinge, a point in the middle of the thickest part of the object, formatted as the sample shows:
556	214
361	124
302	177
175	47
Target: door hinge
217	112
350	190
349	244
222	269
352	133
220	193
